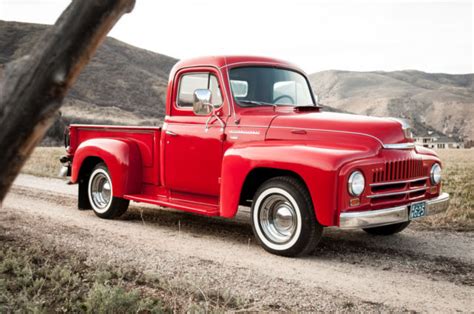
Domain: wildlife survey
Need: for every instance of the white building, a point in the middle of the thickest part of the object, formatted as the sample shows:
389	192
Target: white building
438	142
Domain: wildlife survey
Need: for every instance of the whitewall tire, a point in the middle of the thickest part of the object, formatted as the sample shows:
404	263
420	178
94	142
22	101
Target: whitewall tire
100	192
283	219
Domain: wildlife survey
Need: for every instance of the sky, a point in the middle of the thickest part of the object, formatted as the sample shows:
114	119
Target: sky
360	35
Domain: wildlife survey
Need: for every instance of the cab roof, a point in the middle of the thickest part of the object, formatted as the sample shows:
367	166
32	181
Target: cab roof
232	61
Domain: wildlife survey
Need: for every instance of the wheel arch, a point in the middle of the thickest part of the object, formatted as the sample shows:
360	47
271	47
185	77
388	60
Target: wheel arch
122	158
88	164
257	176
315	167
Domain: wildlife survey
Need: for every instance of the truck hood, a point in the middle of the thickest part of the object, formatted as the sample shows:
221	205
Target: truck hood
315	125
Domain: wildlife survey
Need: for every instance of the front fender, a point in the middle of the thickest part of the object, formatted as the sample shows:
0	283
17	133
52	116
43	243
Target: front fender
122	158
317	166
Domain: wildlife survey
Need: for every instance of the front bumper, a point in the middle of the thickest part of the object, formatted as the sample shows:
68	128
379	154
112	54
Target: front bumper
388	216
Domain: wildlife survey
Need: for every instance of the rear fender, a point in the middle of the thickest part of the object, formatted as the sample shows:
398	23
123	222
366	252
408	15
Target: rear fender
318	167
122	158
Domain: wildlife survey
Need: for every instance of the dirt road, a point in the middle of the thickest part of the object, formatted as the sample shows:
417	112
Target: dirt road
415	270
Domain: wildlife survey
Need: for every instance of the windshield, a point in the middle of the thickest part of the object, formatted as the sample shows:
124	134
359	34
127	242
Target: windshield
260	86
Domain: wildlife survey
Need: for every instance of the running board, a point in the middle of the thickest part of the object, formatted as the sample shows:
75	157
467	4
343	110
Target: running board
188	206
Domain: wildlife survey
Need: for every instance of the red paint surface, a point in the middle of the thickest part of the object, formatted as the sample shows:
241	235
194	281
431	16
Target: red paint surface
203	171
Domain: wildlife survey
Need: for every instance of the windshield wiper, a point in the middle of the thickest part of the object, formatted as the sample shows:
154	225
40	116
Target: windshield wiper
255	103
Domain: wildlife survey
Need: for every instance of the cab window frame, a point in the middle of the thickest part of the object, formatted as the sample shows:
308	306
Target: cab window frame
209	75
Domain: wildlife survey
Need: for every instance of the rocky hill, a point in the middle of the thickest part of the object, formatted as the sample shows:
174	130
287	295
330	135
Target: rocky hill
442	102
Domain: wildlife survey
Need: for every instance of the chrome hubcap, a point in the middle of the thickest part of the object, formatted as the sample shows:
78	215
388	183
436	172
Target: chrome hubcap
101	191
277	219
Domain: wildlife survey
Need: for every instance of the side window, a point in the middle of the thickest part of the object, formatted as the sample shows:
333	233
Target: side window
190	82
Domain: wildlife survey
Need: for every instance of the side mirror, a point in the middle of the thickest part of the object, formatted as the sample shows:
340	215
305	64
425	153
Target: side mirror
202	102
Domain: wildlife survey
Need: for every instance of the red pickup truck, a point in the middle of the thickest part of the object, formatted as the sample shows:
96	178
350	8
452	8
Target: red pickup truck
248	131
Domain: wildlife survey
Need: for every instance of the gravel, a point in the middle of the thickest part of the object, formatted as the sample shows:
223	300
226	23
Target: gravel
416	270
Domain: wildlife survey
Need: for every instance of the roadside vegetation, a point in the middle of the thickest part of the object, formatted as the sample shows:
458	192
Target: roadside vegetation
35	278
44	162
458	181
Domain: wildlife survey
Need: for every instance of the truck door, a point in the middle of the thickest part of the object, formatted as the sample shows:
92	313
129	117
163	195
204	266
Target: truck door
192	152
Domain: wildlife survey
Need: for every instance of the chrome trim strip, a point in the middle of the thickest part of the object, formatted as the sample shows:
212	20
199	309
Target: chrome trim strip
387	216
398	182
250	132
399	146
170	133
397	193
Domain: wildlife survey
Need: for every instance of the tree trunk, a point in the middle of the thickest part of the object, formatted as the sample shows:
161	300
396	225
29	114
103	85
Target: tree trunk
32	88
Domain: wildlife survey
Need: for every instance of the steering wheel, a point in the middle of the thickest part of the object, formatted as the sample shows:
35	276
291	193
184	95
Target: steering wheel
292	101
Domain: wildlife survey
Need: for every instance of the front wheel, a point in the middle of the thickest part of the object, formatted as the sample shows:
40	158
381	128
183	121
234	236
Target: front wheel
387	230
100	192
283	218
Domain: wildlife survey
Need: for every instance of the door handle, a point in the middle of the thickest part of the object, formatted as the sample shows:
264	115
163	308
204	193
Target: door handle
171	133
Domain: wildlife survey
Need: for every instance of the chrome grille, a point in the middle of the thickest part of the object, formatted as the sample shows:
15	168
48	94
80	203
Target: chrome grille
393	180
398	170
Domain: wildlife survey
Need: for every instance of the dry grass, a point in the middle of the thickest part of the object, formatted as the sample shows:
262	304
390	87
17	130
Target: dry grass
44	162
39	278
458	181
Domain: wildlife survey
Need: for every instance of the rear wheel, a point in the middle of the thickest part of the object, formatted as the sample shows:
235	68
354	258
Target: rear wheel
388	230
283	218
100	192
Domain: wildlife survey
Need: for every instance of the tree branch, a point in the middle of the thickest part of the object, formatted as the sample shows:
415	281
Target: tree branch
32	88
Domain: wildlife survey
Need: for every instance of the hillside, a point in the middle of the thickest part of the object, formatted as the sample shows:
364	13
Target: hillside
124	84
441	101
121	84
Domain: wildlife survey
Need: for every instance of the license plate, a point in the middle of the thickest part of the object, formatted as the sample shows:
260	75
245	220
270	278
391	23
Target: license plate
417	210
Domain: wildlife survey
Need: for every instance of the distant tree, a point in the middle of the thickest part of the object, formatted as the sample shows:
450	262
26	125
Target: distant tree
32	87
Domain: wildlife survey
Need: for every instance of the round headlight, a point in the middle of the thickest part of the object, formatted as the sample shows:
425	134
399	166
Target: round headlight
435	174
356	183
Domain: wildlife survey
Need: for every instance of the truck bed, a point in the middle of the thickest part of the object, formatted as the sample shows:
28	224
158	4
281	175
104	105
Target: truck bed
146	138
